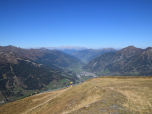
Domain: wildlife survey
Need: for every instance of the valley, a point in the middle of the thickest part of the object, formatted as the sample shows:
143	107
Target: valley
81	73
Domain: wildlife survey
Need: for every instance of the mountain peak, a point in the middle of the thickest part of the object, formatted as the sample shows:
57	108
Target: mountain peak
130	50
10	46
148	48
131	47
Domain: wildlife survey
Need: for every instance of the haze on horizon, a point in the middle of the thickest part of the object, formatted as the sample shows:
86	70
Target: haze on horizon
84	23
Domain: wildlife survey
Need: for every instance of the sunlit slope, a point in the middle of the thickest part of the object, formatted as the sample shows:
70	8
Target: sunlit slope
103	95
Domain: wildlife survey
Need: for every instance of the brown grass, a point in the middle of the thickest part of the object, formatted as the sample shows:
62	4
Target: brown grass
103	95
28	104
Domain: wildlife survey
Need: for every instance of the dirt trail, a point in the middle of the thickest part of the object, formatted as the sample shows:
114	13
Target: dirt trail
104	96
29	104
47	98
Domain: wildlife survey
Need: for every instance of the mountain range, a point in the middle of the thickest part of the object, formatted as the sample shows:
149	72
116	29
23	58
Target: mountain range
33	70
127	61
24	71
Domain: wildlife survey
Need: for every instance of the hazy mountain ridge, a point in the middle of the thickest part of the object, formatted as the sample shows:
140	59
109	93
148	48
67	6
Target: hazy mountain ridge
67	49
89	54
128	61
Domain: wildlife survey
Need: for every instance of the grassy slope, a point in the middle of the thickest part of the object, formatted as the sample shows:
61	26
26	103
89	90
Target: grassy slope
99	95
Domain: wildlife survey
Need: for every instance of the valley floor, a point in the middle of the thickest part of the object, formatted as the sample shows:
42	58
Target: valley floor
102	95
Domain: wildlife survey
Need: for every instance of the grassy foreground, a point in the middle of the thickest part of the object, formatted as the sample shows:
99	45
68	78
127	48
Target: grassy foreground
103	95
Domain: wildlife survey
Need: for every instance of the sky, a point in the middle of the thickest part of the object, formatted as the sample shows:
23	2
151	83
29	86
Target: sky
85	23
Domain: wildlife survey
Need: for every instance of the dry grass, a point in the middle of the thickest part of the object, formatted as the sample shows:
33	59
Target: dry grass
102	95
28	104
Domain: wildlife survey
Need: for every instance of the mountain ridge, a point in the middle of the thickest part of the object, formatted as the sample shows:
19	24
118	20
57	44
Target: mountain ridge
126	61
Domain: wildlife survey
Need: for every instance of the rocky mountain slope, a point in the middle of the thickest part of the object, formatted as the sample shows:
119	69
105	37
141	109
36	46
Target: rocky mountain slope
89	54
23	71
128	61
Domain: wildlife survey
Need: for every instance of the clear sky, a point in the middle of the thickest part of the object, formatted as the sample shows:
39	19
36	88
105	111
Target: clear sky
86	23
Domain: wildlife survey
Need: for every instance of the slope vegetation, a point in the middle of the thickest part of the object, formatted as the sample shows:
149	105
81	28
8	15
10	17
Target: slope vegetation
104	95
128	61
24	78
24	71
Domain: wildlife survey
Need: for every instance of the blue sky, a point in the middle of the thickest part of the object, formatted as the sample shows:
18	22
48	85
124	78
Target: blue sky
85	23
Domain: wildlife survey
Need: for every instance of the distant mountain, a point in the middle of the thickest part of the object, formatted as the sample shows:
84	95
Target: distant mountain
24	71
67	49
127	61
89	54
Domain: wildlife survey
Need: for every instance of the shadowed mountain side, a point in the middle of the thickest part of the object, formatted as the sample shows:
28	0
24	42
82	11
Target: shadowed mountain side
17	79
23	71
58	59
